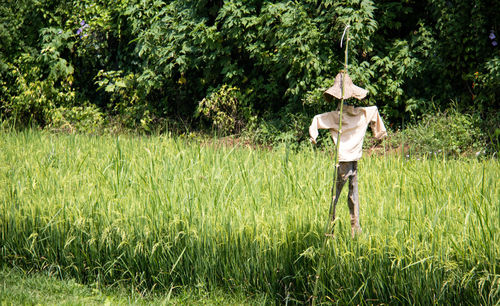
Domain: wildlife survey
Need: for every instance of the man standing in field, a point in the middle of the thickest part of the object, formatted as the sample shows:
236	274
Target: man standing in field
349	130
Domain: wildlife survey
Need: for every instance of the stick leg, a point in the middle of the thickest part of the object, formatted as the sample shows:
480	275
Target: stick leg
337	186
353	200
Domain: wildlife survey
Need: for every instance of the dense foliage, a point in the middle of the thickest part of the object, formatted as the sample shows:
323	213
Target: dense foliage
144	62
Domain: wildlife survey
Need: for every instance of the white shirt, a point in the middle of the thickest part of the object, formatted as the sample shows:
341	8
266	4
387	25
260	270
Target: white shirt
355	121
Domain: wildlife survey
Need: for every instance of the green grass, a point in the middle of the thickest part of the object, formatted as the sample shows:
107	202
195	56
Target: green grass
162	214
19	288
16	288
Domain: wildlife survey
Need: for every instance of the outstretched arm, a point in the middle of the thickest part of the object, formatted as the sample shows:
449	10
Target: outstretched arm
328	120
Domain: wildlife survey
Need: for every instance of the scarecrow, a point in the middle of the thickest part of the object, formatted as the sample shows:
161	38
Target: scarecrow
347	125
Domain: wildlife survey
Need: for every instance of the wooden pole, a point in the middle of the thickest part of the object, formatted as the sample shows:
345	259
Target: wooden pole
331	221
331	224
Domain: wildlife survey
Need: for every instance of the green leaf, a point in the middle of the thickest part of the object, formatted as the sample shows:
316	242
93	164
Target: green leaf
110	87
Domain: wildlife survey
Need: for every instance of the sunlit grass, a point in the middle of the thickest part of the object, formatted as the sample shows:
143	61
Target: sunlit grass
165	213
41	288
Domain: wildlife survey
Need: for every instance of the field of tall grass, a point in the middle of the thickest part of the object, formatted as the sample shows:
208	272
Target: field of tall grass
165	213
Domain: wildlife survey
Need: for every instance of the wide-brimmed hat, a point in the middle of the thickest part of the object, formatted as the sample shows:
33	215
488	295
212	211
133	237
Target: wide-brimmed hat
350	90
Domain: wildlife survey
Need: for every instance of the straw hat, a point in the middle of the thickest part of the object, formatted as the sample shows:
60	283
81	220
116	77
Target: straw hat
350	90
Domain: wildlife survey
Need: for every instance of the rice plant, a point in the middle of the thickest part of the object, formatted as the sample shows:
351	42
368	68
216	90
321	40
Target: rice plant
164	213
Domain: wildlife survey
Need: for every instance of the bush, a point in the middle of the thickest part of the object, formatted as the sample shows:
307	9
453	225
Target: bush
126	100
32	99
226	108
85	119
451	133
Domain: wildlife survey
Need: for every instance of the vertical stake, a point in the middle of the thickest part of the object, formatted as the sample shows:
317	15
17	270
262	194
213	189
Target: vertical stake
331	222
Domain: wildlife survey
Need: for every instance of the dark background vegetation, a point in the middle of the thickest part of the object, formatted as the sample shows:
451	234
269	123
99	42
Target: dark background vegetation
252	67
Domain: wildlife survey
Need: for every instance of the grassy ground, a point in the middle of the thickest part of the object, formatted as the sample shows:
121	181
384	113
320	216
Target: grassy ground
161	214
19	288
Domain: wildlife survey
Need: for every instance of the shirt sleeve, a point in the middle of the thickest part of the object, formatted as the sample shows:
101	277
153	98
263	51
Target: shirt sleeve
323	121
376	122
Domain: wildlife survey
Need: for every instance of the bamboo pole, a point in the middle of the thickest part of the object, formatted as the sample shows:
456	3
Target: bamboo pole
331	214
331	219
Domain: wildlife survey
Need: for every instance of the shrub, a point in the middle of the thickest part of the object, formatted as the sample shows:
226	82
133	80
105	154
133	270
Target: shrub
126	99
33	99
451	132
226	108
86	119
